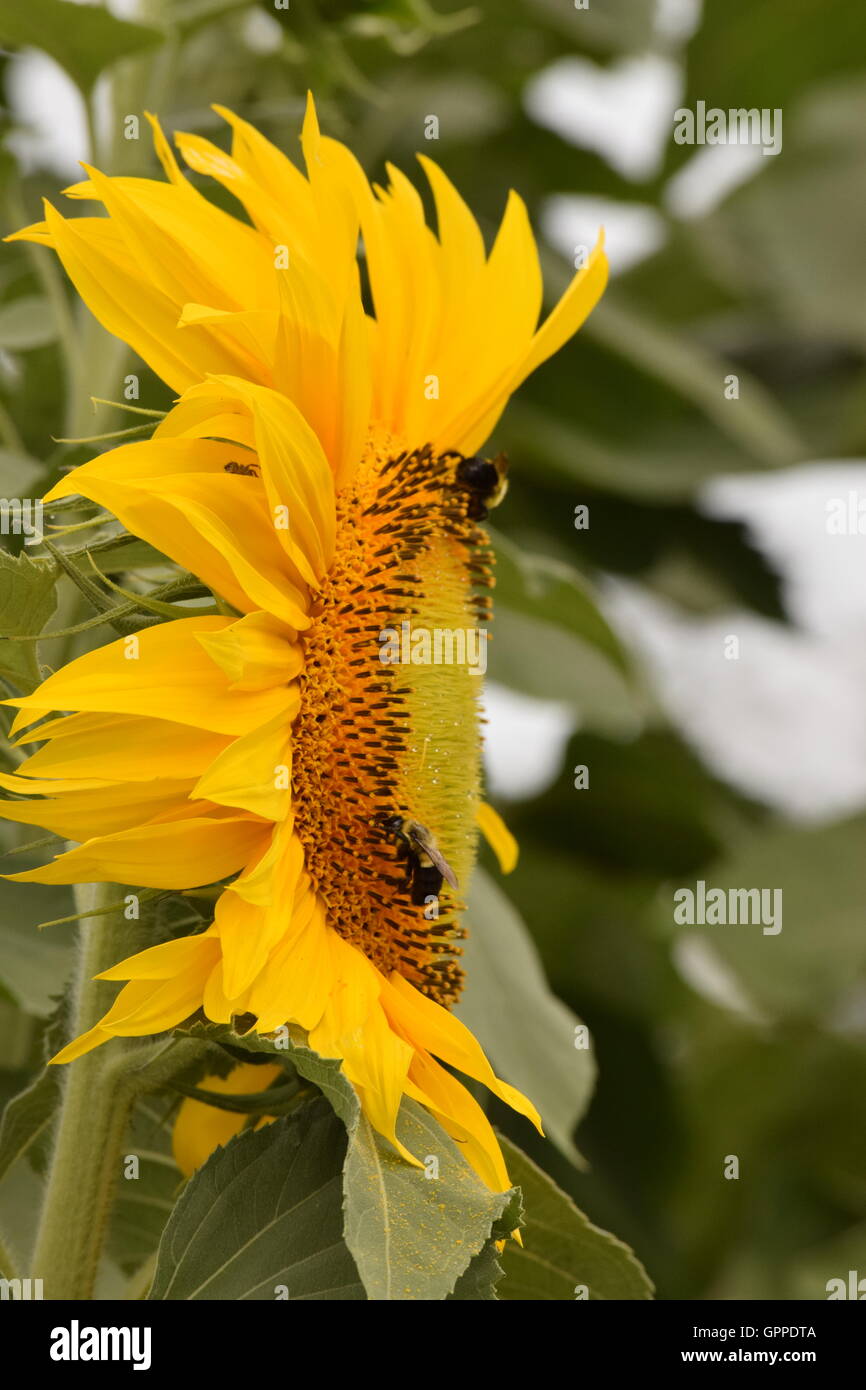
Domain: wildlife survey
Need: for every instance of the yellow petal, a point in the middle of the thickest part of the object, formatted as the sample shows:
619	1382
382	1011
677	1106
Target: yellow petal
119	748
245	946
354	999
274	877
102	809
461	1117
215	1002
149	1005
132	308
436	1030
376	1061
264	908
177	494
182	243
296	982
184	955
178	854
171	674
254	772
573	309
255	653
296	475
497	835
94	1037
200	1128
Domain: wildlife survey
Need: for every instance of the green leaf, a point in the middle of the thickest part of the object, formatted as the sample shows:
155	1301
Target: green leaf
26	323
143	1204
528	1034
28	1117
17	1031
553	592
478	1283
741	56
263	1212
562	1249
19	474
20	1203
765	232
649	807
34	967
324	1072
83	39
805	970
411	1236
27	600
553	664
756	422
274	1100
659	466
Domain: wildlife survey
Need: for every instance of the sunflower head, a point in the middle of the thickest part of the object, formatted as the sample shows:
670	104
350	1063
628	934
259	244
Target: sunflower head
383	740
311	743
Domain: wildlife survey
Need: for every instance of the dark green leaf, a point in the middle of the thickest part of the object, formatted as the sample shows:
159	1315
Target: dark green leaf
263	1215
434	1218
530	1036
553	592
27	600
411	1235
754	422
83	39
28	1117
806	967
34	967
563	1252
552	664
478	1283
275	1100
742	56
143	1204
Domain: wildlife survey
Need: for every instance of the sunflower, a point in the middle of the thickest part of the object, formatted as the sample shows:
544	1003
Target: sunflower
336	363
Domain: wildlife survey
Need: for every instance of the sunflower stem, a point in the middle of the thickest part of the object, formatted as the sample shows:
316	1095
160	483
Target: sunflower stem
97	1097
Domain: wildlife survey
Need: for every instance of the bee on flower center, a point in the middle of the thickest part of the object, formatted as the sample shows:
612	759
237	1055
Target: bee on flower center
485	481
426	865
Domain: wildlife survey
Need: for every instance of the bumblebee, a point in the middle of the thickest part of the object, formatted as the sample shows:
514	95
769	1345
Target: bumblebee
485	480
248	470
426	865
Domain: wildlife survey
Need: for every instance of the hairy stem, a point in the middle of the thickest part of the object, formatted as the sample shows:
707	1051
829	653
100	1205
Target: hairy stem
97	1098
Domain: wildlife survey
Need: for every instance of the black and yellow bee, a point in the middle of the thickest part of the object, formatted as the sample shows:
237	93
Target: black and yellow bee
485	480
426	865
